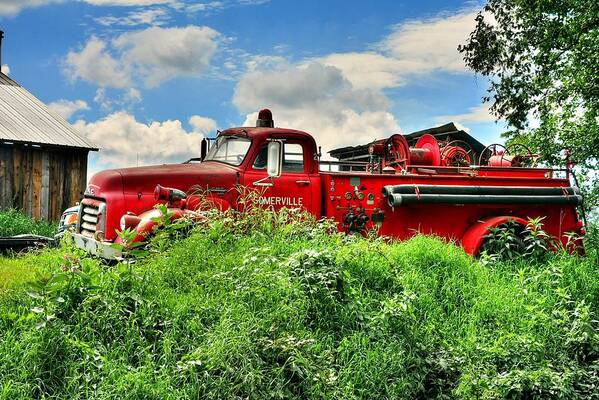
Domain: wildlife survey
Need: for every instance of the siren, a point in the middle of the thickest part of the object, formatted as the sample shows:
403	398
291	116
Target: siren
265	119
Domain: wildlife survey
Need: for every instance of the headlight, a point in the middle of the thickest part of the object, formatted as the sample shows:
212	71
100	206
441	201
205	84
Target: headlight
70	220
67	222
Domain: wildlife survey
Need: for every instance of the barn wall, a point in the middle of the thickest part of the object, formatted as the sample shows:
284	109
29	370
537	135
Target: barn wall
41	182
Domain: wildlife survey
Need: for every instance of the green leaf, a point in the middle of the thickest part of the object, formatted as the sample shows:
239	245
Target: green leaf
35	295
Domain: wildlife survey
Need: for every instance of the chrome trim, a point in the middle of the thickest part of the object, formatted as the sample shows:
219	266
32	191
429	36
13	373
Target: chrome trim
96	247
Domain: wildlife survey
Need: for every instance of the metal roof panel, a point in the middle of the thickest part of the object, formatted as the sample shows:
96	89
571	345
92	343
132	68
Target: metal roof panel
24	118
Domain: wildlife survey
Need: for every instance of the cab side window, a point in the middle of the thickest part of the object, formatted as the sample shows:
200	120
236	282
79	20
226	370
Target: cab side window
261	158
293	158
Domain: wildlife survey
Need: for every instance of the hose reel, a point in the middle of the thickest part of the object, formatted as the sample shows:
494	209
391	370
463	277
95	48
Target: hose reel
498	155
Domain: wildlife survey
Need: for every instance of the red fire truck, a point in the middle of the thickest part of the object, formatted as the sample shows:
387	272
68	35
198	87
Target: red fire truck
430	188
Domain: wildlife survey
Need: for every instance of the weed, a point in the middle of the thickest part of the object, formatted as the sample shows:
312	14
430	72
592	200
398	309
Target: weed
243	306
14	222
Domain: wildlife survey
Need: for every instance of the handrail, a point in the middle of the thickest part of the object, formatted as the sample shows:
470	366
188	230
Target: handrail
362	164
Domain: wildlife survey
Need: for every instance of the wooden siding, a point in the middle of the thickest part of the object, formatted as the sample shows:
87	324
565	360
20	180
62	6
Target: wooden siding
40	181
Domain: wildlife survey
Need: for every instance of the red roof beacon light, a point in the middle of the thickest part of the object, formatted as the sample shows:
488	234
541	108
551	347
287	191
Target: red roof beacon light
265	119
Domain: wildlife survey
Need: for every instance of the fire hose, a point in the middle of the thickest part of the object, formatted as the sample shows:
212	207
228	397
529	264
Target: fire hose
398	195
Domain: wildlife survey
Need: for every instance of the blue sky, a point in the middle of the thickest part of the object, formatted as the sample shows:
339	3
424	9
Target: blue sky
146	79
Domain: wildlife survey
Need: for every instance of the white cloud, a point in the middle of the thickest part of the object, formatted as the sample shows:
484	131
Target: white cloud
340	97
132	96
152	55
202	125
318	99
368	70
66	108
153	16
213	6
5	69
93	63
412	50
128	3
206	7
476	114
109	100
124	141
163	53
431	44
262	62
13	7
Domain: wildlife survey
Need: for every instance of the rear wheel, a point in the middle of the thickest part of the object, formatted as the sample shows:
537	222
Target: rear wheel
506	241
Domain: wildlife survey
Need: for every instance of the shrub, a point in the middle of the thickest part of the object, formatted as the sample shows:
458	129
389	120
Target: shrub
253	309
14	222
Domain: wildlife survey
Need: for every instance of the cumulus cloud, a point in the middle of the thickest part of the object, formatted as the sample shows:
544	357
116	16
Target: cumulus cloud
413	49
5	69
202	125
162	53
67	108
13	7
368	70
125	141
153	55
340	97
476	114
93	63
431	44
319	99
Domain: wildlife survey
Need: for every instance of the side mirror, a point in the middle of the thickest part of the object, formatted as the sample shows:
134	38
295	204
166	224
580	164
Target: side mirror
273	164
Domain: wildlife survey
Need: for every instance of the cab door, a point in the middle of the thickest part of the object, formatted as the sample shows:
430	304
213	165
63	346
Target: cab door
292	189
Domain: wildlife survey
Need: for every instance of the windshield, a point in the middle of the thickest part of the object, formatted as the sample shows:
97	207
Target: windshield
229	149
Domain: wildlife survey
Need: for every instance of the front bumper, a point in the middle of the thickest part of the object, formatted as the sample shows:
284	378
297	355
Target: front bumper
95	247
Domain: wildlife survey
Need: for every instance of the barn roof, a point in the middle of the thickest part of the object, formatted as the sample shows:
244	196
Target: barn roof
25	119
445	132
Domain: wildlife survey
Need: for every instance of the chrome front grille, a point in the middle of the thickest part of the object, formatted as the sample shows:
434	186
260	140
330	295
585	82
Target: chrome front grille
91	222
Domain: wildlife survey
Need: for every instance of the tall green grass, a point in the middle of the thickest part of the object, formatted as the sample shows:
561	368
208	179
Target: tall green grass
276	306
14	222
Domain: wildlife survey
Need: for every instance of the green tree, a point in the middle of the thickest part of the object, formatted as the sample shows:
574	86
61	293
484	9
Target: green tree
542	58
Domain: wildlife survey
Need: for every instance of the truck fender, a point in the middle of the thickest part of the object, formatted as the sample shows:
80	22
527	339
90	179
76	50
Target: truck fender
197	202
146	224
475	234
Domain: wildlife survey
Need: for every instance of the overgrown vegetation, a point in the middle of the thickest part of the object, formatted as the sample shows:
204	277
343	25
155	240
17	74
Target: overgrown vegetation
265	305
512	240
14	222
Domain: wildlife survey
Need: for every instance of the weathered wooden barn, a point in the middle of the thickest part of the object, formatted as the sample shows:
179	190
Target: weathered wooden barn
43	160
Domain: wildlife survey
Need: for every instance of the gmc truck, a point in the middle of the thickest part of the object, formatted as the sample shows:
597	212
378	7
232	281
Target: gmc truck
400	191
